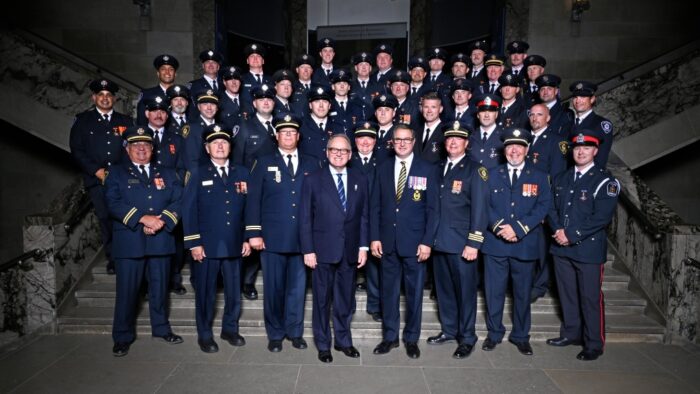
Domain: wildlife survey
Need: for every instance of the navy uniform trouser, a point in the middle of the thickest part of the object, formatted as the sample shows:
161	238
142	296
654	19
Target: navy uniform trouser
207	275
540	282
373	282
397	269
333	284
129	278
455	284
497	271
582	301
97	196
284	276
179	257
251	265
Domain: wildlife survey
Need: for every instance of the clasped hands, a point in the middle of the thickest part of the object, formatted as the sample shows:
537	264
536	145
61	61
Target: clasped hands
151	224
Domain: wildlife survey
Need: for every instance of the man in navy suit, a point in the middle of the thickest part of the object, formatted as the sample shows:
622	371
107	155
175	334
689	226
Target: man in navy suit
334	233
418	68
403	223
363	87
519	199
166	71
144	203
96	145
232	109
513	108
384	109
430	144
548	91
436	79
255	77
208	105
383	55
477	55
460	234
179	98
459	108
485	145
210	79
585	199
213	206
585	118
326	52
272	228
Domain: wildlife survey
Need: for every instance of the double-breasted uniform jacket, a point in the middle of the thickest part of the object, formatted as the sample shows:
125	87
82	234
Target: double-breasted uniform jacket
212	210
130	196
252	141
313	141
523	206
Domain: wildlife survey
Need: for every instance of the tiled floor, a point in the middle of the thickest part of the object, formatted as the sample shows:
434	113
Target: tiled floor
84	364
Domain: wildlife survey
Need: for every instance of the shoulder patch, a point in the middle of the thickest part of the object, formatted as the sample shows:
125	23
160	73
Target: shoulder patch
564	147
185	130
606	126
613	188
188	175
483	173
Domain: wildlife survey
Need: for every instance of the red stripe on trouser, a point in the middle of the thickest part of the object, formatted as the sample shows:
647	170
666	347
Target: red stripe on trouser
601	304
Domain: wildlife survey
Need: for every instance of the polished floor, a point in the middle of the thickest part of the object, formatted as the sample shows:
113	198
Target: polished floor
84	364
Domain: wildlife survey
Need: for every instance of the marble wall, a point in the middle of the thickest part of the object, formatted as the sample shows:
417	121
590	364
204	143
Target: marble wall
517	20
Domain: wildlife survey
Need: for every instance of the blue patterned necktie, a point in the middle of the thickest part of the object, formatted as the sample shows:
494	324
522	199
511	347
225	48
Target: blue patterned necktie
341	191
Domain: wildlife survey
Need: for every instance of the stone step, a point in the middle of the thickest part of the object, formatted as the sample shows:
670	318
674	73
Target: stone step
629	328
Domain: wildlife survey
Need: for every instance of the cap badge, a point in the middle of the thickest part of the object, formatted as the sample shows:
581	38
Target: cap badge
516	133
580	139
158	99
398	73
254	47
166	58
366	125
515	45
176	89
509	77
326	41
437	50
140	131
341	73
382	98
232	69
487	101
304	56
210	92
217	128
579	86
210	53
104	83
545	78
455	125
383	47
319	91
264	88
420	60
287	118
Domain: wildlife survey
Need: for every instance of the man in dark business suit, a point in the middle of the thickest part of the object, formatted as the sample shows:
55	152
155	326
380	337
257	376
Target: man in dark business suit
403	222
334	233
430	144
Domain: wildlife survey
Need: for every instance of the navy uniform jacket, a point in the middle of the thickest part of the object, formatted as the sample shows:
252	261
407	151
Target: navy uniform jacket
383	82
584	209
549	153
524	206
169	152
407	112
433	150
197	87
467	118
442	80
489	154
96	143
146	94
252	141
272	209
413	221
560	120
423	89
366	95
347	118
530	95
384	148
212	211
300	98
313	140
172	126
229	113
129	197
320	77
295	107
195	154
463	203
480	77
604	127
369	170
515	116
249	83
325	229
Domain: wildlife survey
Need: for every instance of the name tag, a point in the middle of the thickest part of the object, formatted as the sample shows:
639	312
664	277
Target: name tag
207	183
273	168
132	181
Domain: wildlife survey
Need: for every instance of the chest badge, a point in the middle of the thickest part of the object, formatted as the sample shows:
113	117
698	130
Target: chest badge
456	186
584	196
416	195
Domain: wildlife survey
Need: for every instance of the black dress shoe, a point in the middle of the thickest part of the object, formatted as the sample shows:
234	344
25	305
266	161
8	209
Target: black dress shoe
349	351
249	292
385	347
171	338
325	356
589	355
412	349
234	338
439	339
563	341
463	351
274	346
179	290
523	347
488	345
299	343
376	316
361	286
121	349
208	345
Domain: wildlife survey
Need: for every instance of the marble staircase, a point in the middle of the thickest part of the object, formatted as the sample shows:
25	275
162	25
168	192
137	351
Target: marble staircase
92	311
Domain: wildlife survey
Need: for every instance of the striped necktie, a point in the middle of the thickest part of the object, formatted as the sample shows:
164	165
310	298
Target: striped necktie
401	184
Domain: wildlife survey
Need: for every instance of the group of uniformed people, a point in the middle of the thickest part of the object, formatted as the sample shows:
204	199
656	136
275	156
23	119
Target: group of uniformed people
481	174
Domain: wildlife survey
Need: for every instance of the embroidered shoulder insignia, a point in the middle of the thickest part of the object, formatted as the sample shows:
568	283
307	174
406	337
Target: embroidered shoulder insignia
564	147
185	130
483	173
613	188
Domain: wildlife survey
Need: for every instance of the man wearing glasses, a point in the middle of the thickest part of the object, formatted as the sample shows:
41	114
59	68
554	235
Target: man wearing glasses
334	233
403	212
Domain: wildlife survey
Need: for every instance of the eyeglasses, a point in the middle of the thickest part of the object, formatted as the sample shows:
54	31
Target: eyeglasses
398	141
341	151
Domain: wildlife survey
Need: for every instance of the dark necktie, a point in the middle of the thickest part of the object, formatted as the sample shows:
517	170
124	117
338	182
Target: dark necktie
515	72
426	137
257	78
578	121
484	137
503	110
328	72
235	101
286	106
578	176
363	83
413	90
458	115
268	126
365	160
144	173
105	117
515	176
290	165
381	134
474	73
320	125
306	86
493	88
180	120
342	105
159	136
433	78
341	191
449	167
224	176
215	85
